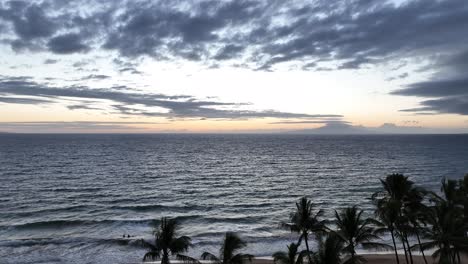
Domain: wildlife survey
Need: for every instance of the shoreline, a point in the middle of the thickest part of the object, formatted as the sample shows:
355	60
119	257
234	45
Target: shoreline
370	258
373	258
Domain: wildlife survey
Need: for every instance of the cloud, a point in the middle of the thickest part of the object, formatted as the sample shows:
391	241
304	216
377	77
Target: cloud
131	70
50	61
139	103
259	34
18	100
411	122
74	126
446	92
325	121
29	21
436	88
95	77
82	107
67	44
229	52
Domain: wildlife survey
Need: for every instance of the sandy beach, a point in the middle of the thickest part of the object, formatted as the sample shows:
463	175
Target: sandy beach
377	259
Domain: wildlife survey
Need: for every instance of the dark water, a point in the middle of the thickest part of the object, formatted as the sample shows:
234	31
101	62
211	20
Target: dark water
70	198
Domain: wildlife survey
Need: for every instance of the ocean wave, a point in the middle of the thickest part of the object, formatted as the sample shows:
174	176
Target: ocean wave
158	207
74	223
76	189
61	223
71	208
76	241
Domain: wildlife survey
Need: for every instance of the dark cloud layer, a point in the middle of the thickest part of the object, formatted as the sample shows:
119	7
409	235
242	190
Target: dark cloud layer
19	100
73	127
174	106
66	44
447	90
260	35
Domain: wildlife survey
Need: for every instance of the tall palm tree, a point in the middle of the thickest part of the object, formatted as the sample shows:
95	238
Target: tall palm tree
329	250
448	225
167	243
355	231
414	212
304	220
388	215
231	244
447	233
398	193
464	189
292	256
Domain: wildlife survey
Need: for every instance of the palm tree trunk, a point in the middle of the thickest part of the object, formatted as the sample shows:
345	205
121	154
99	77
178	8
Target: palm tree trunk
394	247
353	252
165	258
404	249
420	248
409	249
307	247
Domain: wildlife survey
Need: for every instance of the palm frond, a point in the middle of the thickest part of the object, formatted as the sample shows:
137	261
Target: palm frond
281	257
152	255
210	257
180	244
187	259
241	258
146	244
376	245
355	260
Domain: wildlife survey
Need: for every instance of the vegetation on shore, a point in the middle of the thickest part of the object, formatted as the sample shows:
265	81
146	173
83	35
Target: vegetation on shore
417	220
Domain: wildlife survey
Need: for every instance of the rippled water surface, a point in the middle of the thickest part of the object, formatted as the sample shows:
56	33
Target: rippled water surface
70	198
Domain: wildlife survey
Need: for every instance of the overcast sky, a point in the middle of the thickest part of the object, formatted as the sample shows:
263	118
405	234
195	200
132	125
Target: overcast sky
232	66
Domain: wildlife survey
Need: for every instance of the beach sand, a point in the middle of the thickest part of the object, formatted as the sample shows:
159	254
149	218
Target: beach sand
371	259
378	259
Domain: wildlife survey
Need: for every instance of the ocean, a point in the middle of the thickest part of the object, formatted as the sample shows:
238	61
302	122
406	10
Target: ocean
71	198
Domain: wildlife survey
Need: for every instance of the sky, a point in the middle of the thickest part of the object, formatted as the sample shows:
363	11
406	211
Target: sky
140	66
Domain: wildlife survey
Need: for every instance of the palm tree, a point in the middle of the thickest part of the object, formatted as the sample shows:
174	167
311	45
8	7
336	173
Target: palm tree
292	256
414	213
166	242
231	244
447	233
464	188
304	220
448	226
329	250
397	194
353	230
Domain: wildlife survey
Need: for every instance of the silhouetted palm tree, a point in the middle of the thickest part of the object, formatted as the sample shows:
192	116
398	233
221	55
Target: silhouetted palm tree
448	227
464	190
353	230
167	243
292	256
329	250
397	194
231	244
447	233
414	213
304	220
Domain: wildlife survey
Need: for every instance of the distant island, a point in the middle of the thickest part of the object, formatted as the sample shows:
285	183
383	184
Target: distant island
387	128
